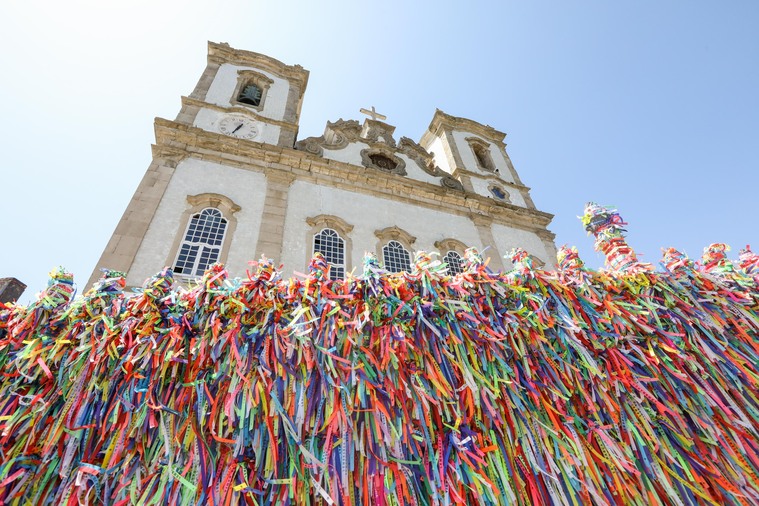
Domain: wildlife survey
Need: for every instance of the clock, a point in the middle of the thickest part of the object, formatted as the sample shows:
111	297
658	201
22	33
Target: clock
238	126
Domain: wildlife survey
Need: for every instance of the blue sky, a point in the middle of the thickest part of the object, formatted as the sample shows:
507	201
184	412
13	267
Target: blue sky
649	106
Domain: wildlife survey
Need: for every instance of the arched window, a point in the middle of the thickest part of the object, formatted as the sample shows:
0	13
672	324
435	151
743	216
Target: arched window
332	246
251	89
250	94
481	150
454	254
454	262
483	157
395	257
202	242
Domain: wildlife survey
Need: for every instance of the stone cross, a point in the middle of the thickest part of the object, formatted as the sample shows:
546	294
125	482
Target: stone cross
373	114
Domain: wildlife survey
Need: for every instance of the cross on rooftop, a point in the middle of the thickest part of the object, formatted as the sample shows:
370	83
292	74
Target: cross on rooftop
373	114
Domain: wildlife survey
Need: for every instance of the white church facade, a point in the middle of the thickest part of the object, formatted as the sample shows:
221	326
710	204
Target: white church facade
230	181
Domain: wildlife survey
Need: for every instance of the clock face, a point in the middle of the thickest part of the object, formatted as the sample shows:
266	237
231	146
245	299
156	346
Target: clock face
238	126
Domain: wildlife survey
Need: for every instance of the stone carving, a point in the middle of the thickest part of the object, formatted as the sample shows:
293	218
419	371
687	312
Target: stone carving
499	193
451	183
336	136
395	233
450	244
311	145
384	160
382	153
421	156
341	132
375	132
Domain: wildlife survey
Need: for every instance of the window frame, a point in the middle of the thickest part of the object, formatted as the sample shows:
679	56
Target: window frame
332	265
197	203
400	246
366	160
341	227
507	196
449	245
394	233
476	144
197	249
248	77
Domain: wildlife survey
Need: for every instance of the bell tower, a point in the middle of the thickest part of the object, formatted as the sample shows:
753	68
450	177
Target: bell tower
209	171
248	96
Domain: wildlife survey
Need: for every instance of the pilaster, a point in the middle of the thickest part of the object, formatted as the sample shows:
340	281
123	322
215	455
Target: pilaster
271	234
483	224
121	250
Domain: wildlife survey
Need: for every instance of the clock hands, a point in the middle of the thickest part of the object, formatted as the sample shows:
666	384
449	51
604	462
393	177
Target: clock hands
238	127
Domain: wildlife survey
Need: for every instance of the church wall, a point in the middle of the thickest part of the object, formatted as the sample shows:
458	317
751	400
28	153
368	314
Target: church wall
467	156
352	154
436	148
222	90
481	187
507	238
367	214
208	119
416	172
349	154
193	177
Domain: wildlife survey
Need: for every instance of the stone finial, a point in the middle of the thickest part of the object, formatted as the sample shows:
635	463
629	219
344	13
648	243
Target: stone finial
607	227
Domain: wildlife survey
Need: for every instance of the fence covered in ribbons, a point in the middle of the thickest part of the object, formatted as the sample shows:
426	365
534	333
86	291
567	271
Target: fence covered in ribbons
566	387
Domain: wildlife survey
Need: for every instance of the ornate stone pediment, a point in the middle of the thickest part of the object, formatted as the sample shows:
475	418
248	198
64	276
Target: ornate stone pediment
421	156
311	145
384	160
378	132
382	152
337	135
395	233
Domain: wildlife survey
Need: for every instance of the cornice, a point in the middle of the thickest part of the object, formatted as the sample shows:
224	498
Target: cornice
267	158
496	178
442	121
224	53
244	111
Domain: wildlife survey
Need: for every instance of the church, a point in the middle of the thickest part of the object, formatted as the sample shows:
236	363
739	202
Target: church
564	386
231	181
